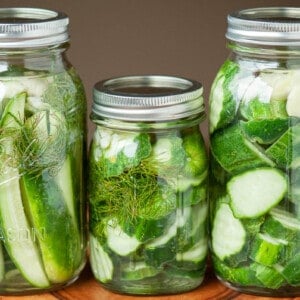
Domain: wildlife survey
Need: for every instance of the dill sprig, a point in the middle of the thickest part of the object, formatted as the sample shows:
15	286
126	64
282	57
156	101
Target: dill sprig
66	94
136	193
10	157
42	144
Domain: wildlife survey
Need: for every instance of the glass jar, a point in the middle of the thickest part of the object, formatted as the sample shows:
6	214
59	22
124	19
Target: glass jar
255	147
147	185
42	146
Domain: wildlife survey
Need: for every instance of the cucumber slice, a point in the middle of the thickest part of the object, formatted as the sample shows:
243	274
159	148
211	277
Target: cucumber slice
163	249
255	192
235	153
250	87
118	241
64	180
275	229
196	156
138	271
266	250
281	82
195	254
195	228
265	131
198	219
253	225
23	251
193	194
186	270
286	219
282	224
101	263
160	254
180	221
291	271
125	151
228	233
46	207
146	229
286	150
269	277
244	276
278	109
256	109
292	105
222	103
192	259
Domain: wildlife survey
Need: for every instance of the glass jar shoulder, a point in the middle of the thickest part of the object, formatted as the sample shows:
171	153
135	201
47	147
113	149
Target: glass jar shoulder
59	88
245	88
167	144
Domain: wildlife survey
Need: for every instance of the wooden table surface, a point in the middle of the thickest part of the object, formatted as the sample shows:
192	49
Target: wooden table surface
86	288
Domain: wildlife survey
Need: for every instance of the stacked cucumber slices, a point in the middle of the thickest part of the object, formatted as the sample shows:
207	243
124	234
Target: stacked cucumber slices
148	209
255	216
41	148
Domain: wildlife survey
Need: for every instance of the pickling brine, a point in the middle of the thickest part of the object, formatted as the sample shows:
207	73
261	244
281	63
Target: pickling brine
42	147
255	165
147	189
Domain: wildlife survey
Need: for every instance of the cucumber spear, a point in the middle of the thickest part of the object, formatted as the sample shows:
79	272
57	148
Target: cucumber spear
23	252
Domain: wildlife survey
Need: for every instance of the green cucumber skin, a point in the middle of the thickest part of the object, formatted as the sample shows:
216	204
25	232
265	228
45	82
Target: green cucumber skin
60	244
265	131
235	152
227	113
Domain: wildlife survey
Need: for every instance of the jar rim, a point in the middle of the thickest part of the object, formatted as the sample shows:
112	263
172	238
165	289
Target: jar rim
274	26
24	27
147	98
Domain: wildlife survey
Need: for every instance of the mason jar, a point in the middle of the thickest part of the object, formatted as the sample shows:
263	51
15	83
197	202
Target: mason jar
42	147
147	185
255	147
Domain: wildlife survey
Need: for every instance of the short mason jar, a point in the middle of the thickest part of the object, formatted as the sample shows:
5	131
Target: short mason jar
255	147
147	185
42	148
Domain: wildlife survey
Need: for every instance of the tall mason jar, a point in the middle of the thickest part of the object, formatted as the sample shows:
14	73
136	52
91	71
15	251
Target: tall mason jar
42	146
255	147
147	185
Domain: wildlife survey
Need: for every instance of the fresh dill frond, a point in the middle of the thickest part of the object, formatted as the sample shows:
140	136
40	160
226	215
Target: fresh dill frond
43	142
136	193
66	94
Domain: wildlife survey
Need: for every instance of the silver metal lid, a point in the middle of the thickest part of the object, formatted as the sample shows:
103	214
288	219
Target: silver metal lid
32	27
265	26
148	98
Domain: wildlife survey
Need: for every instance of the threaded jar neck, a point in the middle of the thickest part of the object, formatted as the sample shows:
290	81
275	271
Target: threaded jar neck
22	28
272	26
152	98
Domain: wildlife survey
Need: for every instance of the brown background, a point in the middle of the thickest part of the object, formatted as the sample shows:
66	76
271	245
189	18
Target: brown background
123	37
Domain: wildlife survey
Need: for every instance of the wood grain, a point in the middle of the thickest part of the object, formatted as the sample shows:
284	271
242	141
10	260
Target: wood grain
87	288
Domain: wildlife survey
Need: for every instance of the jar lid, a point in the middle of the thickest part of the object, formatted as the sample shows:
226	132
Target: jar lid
148	98
23	27
265	26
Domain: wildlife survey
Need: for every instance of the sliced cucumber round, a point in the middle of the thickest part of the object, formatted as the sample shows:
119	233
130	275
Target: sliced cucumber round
228	233
235	152
222	103
255	192
265	131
